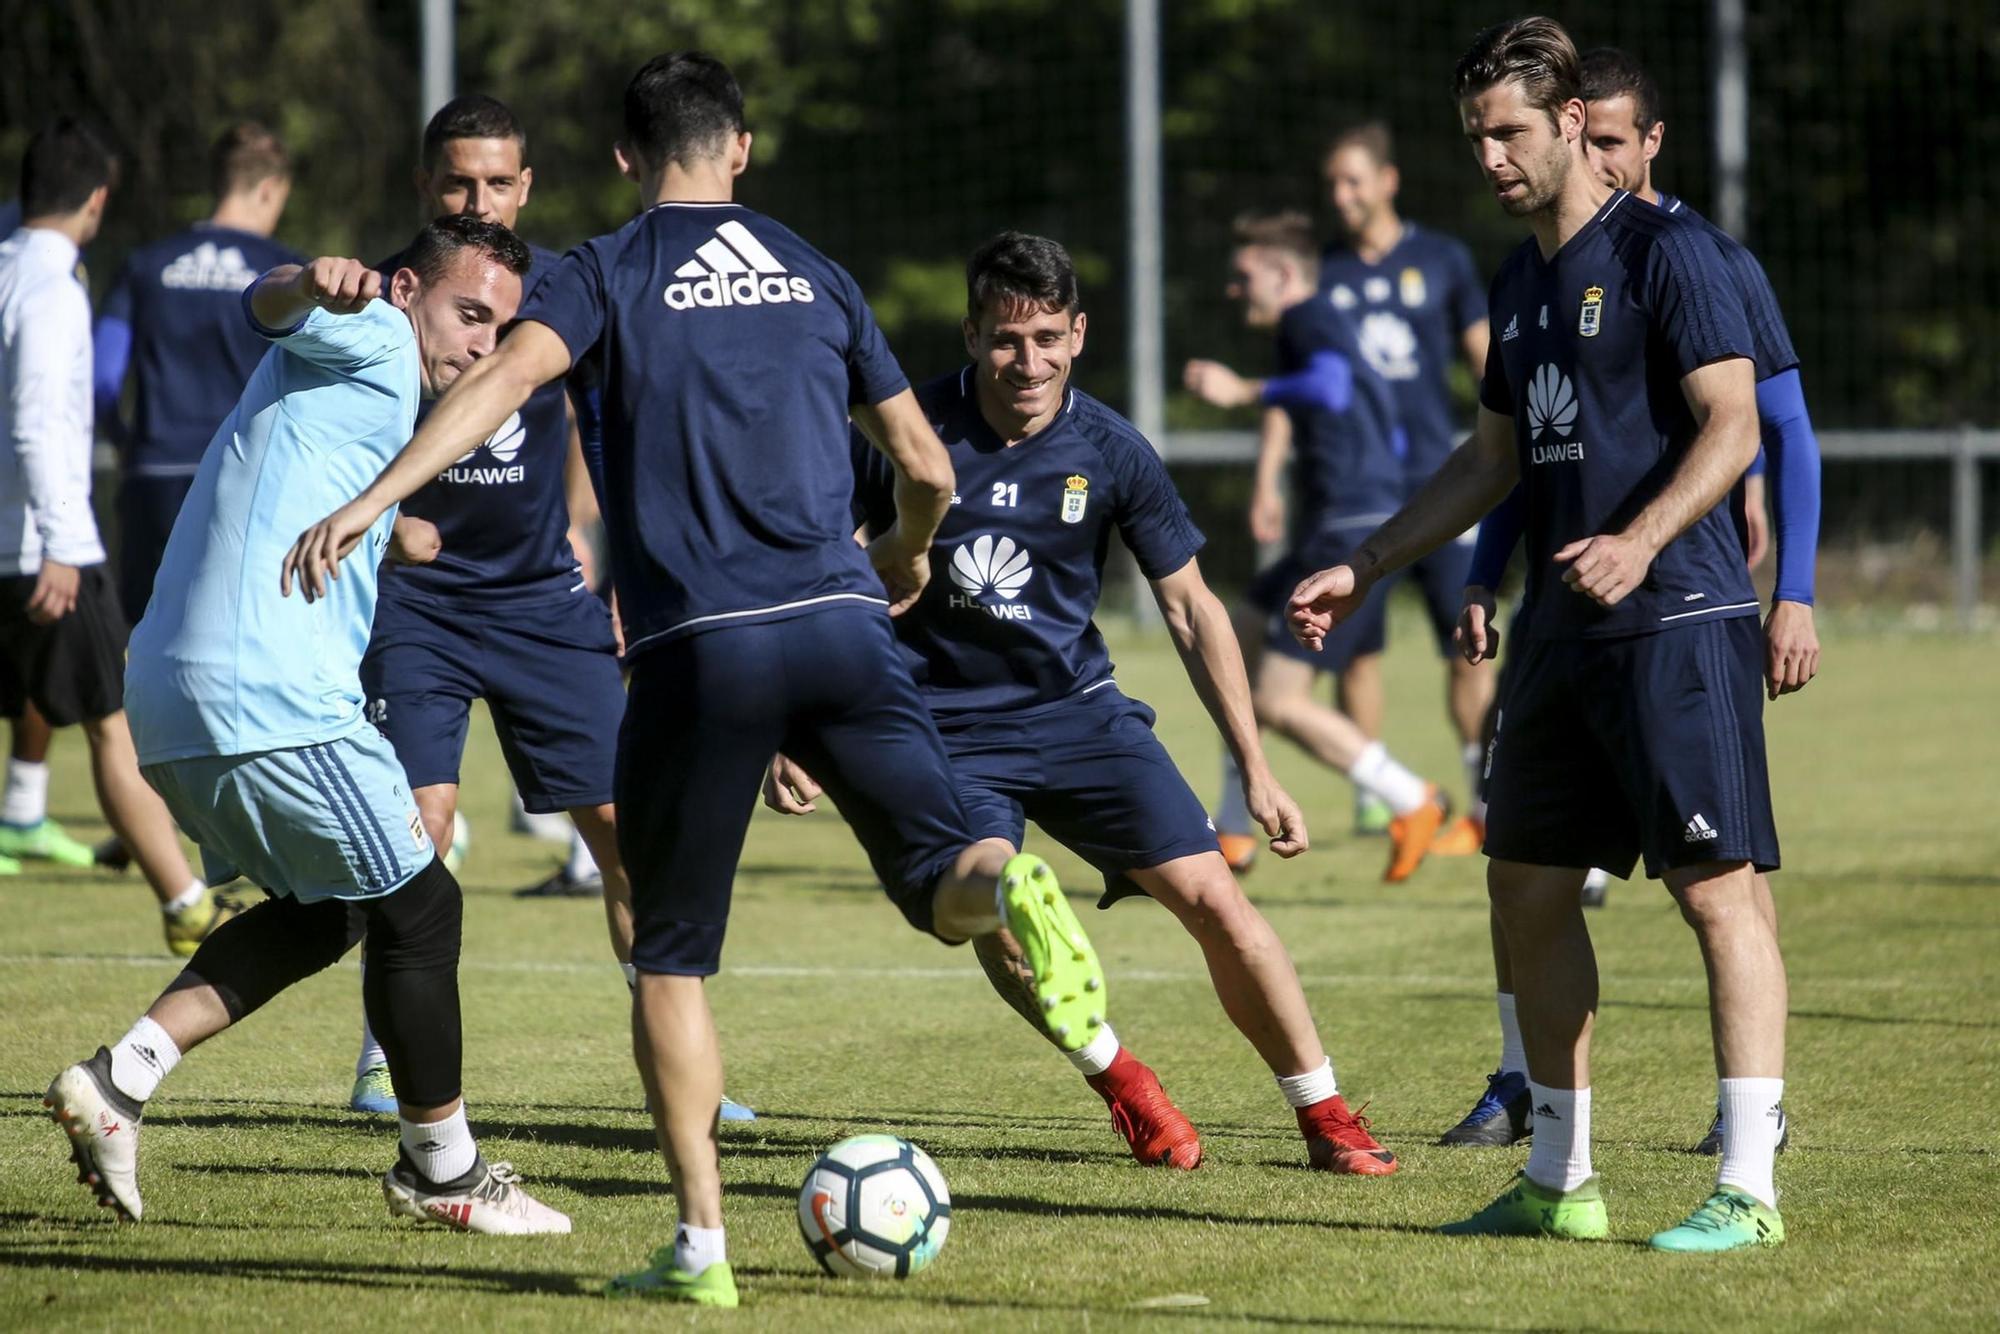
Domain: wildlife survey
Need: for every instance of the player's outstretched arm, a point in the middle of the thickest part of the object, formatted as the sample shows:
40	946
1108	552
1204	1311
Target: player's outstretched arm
470	411
288	293
1214	662
1723	397
1475	478
924	483
1267	497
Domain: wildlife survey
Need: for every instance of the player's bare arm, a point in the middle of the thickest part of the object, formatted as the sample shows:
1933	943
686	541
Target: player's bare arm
1723	397
1207	644
288	293
468	413
1475	478
924	483
1267	498
1215	383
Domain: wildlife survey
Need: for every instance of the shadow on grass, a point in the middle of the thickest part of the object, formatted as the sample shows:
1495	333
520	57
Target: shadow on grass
368	1274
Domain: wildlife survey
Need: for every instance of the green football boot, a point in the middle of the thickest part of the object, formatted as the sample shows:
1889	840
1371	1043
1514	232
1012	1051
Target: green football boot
8	866
46	841
1525	1209
1371	814
1728	1220
660	1281
1069	984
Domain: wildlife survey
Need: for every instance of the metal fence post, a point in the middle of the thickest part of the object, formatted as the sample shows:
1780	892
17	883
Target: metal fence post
1732	117
1965	527
1145	246
440	37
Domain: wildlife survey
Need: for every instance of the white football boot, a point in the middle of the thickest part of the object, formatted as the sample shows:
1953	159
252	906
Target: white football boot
487	1199
103	1129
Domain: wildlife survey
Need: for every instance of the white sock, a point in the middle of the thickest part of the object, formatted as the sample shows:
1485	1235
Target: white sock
441	1150
1232	813
1512	1055
631	971
1560	1156
27	799
1311	1087
582	866
1377	773
696	1248
186	899
1473	756
372	1054
1750	1135
1096	1055
142	1058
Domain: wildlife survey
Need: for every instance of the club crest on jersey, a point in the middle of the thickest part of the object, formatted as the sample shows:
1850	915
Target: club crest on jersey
1593	312
1412	283
733	268
1076	494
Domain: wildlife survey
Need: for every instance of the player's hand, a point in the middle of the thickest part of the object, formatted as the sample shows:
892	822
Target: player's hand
586	556
1273	808
55	592
1475	636
342	286
788	789
904	572
1791	648
1606	568
1213	382
316	556
414	541
1324	600
1267	515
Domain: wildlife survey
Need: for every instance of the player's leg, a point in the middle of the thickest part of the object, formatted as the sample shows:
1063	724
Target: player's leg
1236	832
1711	1143
1360	695
26	831
703	717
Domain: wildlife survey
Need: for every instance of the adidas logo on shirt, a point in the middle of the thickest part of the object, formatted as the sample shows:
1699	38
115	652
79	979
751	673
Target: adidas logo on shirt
732	268
1699	830
209	269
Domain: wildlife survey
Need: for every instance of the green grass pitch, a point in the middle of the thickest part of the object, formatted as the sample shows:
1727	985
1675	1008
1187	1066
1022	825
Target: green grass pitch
263	1210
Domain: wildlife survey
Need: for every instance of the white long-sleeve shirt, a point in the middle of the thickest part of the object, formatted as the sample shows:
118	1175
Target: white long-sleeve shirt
45	408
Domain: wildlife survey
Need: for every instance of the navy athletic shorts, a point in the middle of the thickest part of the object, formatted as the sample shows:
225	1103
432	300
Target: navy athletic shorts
547	668
1440	578
147	508
1091	773
1363	633
708	711
1610	749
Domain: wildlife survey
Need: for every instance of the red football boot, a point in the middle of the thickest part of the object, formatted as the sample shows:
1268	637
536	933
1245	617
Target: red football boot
1141	1111
1337	1140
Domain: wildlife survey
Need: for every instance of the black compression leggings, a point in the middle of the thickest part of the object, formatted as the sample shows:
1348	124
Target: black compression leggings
410	985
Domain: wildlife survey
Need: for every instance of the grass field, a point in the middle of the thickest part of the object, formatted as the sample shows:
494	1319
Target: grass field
263	1211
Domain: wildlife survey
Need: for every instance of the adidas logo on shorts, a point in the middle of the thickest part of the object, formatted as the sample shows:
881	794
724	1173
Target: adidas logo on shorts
1699	830
732	268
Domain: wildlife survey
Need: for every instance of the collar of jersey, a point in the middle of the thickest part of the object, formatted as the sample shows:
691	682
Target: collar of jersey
1604	210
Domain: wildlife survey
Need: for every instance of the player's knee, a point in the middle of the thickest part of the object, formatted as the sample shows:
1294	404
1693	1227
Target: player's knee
419	925
1211	905
1719	902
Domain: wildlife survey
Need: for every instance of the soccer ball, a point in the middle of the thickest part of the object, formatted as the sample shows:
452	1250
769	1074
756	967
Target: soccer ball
874	1206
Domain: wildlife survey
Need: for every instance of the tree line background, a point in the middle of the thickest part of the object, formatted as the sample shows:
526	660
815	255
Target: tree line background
897	134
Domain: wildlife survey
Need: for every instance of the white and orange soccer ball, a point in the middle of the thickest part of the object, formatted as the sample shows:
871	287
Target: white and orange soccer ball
874	1206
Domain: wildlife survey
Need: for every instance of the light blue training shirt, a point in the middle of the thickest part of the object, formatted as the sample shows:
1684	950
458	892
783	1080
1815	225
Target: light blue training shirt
222	664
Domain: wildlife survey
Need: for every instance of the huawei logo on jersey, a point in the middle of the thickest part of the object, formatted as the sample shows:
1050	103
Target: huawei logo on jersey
989	567
733	268
1552	407
1389	344
501	447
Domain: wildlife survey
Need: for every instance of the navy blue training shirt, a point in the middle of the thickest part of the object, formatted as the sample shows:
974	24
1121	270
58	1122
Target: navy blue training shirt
729	352
1018	564
502	511
176	311
1588	360
1411	310
1346	450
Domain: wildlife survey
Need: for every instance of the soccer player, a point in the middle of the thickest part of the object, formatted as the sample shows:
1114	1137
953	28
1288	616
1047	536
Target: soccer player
247	705
502	613
1347	477
1621	394
1623	130
1017	676
1418	304
62	637
732	354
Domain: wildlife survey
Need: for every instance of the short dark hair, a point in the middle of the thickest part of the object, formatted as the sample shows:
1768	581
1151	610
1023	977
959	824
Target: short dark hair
1020	274
441	240
245	155
65	163
1535	53
474	116
1371	136
1290	231
679	107
1608	72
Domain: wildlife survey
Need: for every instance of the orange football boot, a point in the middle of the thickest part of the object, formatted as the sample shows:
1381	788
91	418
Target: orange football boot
1160	1135
1411	836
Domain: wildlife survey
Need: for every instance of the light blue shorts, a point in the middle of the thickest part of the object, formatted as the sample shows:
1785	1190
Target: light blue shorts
333	820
